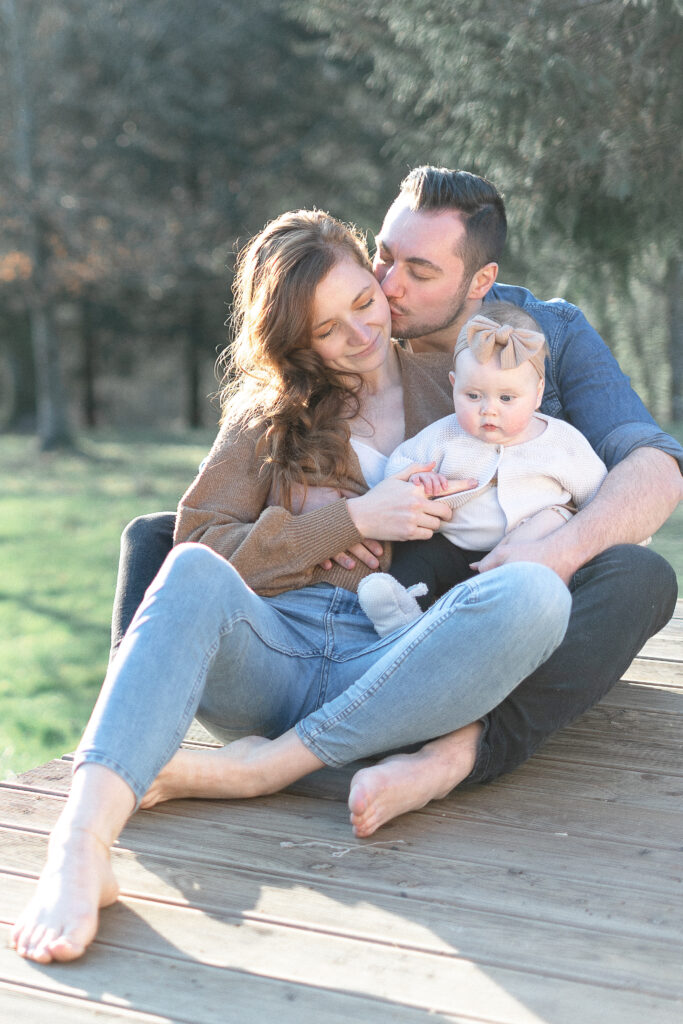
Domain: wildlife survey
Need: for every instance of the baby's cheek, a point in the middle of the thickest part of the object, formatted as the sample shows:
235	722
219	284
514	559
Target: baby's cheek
469	420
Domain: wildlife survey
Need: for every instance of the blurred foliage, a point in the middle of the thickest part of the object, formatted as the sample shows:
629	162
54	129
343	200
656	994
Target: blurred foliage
572	107
155	136
159	136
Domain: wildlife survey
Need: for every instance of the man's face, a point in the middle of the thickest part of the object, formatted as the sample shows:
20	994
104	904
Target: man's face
420	273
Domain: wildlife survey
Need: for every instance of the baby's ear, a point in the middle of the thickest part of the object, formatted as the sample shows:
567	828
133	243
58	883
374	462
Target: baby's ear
539	393
451	377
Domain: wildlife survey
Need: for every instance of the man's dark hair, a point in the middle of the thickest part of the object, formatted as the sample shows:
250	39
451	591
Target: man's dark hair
481	204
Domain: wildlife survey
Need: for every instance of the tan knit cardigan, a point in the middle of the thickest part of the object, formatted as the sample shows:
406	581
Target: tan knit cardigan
272	549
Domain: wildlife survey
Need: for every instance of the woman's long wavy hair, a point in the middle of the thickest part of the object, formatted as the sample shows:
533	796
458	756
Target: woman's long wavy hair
272	376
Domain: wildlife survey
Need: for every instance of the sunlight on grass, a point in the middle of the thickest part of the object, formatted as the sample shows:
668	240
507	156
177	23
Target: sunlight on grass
61	517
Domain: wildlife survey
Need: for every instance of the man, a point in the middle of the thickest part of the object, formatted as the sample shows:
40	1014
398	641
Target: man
437	261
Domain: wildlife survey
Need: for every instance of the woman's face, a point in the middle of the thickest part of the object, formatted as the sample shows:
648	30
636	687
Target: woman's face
351	319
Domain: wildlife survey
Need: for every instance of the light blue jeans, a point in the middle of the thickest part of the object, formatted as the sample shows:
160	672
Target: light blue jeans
203	643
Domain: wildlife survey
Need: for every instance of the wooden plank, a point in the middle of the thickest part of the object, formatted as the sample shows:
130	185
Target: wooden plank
644	671
646	964
556	811
644	697
475	864
194	990
614	786
653	790
674	626
455	886
666	647
553	809
620	738
29	1006
301	956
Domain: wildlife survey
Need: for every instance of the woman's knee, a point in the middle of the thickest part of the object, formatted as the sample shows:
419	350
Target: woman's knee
191	564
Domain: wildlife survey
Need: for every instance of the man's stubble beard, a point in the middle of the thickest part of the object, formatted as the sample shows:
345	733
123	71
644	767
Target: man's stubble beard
424	328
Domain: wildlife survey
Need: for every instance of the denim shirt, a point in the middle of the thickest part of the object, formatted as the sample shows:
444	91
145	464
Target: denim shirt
584	384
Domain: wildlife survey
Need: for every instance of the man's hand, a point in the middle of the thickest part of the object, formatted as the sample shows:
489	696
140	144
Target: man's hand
547	551
636	497
368	553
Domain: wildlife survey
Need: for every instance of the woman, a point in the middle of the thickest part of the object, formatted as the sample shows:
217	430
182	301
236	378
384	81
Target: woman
318	395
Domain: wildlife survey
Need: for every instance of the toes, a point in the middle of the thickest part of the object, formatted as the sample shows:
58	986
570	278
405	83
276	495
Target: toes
22	937
65	948
364	828
30	943
359	800
41	941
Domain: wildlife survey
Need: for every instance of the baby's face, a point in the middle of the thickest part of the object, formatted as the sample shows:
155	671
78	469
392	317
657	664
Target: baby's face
495	405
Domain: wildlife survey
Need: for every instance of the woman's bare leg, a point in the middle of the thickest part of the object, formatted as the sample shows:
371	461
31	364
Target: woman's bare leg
251	766
406	782
61	919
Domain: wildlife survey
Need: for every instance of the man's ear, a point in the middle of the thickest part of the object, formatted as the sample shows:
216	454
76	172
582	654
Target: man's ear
483	281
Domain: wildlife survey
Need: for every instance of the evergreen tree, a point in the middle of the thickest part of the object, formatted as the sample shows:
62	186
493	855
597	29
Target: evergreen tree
573	108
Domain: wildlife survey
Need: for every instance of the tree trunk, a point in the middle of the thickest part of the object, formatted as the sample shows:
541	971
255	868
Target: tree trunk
53	430
193	348
88	363
674	297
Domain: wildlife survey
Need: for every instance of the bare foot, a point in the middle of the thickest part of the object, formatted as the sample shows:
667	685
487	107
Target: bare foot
61	919
225	773
406	782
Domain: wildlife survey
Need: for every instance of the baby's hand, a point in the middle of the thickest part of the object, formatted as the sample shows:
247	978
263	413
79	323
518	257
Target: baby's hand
432	483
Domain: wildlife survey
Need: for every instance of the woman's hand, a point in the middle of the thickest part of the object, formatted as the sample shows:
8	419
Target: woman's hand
399	510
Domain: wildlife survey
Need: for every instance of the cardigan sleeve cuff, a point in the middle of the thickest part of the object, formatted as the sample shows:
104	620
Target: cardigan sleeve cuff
324	532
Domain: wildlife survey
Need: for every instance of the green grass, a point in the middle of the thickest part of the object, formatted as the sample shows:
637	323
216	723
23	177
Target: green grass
61	517
60	521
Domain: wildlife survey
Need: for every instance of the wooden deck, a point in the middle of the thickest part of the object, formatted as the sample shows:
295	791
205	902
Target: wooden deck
553	895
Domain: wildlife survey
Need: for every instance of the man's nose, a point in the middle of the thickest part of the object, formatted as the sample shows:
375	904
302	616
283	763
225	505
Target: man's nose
391	283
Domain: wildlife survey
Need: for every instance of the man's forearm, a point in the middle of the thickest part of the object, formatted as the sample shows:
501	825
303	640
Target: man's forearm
636	497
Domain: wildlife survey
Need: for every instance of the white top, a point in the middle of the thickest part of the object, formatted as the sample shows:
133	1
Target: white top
372	462
558	467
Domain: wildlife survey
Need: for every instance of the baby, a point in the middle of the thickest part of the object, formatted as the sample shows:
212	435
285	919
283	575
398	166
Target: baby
533	471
